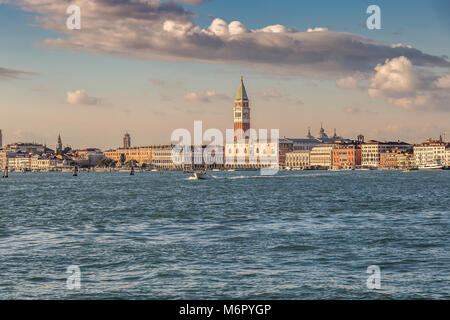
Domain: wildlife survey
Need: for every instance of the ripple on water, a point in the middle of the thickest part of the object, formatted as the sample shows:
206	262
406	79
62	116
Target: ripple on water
295	235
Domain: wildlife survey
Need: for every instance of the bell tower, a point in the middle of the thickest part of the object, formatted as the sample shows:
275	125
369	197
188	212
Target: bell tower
241	112
59	146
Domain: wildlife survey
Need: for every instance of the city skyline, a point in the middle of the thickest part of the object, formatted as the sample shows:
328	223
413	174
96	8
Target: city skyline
54	80
240	98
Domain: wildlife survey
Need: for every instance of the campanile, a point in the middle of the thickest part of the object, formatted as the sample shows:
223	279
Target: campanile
241	112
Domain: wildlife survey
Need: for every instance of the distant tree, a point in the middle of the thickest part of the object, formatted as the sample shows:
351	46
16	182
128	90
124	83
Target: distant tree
131	163
106	163
123	158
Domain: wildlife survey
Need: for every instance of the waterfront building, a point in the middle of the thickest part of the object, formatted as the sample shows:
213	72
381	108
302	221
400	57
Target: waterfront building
347	156
20	163
284	146
27	148
195	157
430	152
162	158
142	155
214	157
321	156
372	149
88	157
4	155
251	155
298	159
447	156
397	159
39	163
241	113
127	141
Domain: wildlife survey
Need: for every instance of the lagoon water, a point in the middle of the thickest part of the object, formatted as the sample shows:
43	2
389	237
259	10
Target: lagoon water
296	235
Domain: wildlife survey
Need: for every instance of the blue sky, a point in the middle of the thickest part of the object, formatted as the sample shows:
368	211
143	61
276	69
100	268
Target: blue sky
145	92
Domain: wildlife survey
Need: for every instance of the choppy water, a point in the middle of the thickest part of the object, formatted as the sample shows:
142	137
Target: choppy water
297	235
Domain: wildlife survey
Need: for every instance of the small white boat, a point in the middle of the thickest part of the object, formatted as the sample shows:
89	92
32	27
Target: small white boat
202	175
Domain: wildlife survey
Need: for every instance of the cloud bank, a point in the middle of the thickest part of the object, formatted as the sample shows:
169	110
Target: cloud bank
162	30
151	29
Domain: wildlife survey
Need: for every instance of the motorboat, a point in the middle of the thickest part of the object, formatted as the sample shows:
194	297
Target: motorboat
202	175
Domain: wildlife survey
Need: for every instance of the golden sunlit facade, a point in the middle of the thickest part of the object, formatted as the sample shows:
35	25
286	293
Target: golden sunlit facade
143	155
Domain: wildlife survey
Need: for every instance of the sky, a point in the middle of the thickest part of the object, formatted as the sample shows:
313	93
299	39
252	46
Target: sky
148	67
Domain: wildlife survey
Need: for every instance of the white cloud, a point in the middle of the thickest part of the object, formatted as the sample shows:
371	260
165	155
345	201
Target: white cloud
237	27
317	29
401	45
395	75
207	96
443	82
219	28
407	86
277	28
81	97
179	29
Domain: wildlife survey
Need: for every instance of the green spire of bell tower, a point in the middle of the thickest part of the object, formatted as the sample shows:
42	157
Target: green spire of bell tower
242	94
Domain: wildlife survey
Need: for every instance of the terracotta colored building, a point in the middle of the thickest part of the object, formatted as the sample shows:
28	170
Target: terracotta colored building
397	159
347	157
